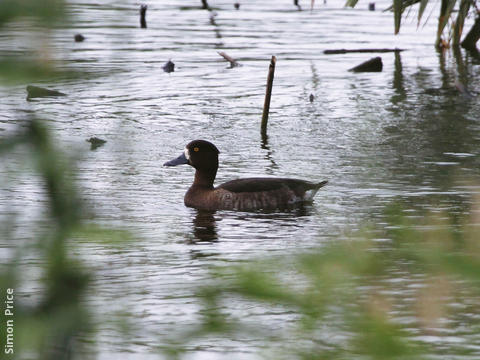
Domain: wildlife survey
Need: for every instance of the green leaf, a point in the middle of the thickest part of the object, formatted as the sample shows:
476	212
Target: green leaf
445	12
460	21
351	3
421	9
397	14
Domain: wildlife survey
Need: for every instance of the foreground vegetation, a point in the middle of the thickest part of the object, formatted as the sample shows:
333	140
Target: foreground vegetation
451	20
347	298
351	295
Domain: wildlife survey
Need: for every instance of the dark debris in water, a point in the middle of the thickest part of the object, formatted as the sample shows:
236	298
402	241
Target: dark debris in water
373	65
232	61
296	3
35	91
96	142
169	66
143	12
79	37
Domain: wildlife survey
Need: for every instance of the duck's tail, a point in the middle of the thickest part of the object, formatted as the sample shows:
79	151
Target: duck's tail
310	193
321	184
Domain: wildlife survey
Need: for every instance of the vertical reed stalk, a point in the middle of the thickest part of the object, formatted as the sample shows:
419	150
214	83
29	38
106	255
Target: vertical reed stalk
268	95
143	12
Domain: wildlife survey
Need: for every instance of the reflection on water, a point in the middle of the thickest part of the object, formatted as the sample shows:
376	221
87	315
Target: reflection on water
400	92
204	227
272	167
204	224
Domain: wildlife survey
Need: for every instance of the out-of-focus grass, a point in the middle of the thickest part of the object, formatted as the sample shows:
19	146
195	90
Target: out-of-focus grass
351	296
49	321
14	70
32	63
347	296
50	326
46	12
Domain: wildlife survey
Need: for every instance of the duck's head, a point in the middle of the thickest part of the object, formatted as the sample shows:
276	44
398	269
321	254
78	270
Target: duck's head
200	154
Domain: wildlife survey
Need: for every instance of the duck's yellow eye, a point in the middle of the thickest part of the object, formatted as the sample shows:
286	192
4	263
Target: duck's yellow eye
196	149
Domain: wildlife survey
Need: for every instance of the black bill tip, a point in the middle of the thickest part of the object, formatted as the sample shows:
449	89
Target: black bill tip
178	161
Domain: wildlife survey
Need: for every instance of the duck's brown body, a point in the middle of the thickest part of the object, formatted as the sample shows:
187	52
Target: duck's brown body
252	194
243	194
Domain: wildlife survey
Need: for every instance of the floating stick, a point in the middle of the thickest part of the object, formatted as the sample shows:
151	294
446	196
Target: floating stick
268	95
231	60
345	51
143	11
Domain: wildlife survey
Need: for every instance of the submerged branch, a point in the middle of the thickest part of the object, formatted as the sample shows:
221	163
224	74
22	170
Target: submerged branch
345	51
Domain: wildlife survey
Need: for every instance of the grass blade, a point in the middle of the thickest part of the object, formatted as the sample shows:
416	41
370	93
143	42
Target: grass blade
351	3
445	12
421	9
397	14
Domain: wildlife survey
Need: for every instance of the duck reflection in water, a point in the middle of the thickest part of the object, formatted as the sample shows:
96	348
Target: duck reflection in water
204	227
204	222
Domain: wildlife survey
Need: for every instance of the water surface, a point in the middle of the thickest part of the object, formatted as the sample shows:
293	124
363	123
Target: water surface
404	134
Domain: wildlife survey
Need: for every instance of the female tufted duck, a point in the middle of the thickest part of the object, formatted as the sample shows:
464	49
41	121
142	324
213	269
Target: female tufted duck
243	194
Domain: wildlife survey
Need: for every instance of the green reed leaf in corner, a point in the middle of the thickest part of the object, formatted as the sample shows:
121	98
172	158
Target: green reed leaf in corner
48	12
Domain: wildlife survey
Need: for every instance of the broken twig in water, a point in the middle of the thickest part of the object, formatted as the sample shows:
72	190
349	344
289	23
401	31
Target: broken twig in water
231	60
268	95
143	12
345	51
205	5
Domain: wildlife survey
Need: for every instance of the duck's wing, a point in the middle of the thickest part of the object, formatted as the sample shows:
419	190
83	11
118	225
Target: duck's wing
270	184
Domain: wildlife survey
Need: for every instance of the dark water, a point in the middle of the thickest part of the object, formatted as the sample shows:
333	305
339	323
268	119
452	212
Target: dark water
404	134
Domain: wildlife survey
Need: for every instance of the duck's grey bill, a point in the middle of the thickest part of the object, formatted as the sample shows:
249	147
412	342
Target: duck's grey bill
178	161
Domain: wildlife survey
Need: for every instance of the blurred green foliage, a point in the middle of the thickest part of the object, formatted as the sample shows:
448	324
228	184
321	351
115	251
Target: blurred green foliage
50	326
350	294
345	294
449	15
32	63
46	12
